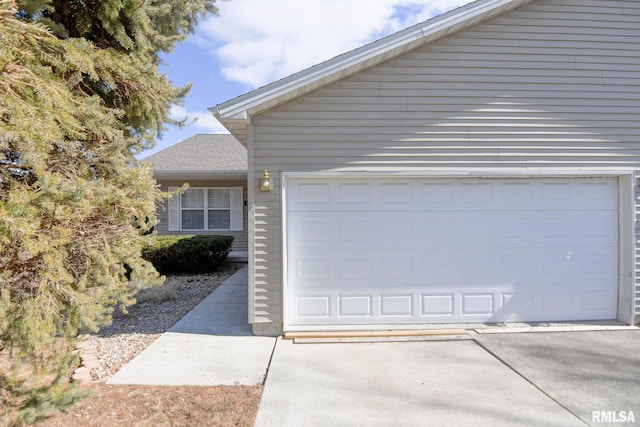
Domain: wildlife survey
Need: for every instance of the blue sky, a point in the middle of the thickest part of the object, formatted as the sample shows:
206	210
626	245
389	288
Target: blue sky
255	42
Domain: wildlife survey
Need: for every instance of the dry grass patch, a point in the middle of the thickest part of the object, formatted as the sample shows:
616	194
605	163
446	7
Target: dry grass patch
147	406
167	292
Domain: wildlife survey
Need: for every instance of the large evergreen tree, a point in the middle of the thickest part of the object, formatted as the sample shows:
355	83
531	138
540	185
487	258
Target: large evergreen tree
80	95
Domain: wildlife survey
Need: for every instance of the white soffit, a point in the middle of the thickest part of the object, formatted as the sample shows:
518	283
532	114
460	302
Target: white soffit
298	84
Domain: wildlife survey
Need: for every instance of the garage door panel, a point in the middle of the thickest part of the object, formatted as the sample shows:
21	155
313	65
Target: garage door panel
437	305
521	302
572	195
355	305
396	305
353	269
474	304
397	251
475	264
317	195
314	230
441	305
599	228
313	307
396	195
398	268
418	229
311	194
355	194
437	194
355	230
599	194
518	263
595	264
437	266
553	265
474	267
597	301
556	302
313	269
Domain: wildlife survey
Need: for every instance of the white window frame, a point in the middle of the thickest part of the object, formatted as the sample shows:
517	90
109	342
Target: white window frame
236	208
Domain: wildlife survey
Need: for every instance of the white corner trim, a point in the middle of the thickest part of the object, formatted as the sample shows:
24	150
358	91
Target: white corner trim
251	228
285	250
626	252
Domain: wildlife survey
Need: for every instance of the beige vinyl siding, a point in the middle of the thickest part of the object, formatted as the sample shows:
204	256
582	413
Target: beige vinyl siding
240	241
267	255
553	85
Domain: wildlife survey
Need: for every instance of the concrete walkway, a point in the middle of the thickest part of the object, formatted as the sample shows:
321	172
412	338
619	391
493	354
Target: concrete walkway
211	345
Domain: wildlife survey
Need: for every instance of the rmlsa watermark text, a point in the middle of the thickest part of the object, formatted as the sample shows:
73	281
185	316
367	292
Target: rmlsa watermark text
613	417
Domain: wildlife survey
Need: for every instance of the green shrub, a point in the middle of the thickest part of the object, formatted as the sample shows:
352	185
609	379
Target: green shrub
187	254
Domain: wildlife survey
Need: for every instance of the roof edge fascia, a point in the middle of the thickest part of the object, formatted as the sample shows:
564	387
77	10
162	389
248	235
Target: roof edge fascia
200	174
199	171
242	107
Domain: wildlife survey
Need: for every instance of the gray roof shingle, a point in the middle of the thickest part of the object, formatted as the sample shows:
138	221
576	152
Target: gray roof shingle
201	153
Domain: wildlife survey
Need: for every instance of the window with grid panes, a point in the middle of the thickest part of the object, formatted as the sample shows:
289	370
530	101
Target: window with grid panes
206	209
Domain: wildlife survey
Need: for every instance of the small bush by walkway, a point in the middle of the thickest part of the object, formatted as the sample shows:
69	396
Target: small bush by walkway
187	254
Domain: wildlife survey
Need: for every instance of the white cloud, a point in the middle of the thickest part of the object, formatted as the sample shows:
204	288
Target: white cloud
259	41
198	120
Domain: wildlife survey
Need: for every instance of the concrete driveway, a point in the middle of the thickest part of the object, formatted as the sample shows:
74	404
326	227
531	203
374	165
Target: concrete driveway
594	375
556	378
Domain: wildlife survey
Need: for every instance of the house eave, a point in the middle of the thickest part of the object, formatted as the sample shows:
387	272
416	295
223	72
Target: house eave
202	175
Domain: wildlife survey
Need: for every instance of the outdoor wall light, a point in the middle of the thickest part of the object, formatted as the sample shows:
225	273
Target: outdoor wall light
265	182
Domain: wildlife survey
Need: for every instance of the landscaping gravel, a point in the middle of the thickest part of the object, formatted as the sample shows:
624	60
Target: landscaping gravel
156	311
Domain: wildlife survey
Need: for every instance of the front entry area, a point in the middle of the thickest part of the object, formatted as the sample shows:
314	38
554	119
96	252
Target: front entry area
397	250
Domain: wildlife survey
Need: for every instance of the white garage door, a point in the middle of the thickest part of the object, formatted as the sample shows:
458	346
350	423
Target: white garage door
392	251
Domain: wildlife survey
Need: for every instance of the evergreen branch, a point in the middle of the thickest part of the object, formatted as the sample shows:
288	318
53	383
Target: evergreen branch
80	92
